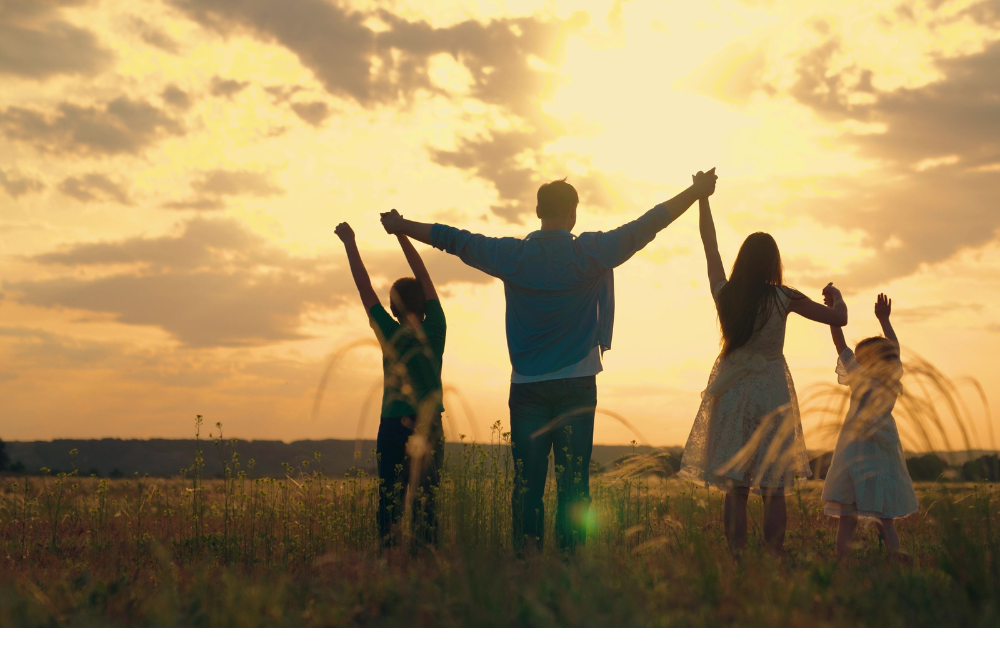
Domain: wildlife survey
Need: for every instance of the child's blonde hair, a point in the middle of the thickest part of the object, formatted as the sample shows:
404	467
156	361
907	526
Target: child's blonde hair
879	356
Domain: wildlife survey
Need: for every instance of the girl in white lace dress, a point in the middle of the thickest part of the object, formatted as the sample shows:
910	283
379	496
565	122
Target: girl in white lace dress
868	475
748	433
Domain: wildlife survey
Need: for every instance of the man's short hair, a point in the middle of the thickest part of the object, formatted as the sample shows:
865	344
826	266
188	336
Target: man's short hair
557	199
407	296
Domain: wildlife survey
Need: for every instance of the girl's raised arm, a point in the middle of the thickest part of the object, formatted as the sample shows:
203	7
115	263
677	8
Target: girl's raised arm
706	225
417	266
835	314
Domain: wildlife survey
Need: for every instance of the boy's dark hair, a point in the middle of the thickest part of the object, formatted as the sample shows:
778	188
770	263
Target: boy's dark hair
407	296
557	199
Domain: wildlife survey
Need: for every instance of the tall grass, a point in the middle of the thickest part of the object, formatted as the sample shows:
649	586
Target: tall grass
303	550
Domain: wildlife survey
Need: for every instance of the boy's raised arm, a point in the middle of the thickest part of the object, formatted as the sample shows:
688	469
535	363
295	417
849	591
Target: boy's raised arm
361	279
883	307
417	266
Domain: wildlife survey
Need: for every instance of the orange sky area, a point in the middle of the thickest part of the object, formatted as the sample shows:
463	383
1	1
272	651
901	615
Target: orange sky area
171	173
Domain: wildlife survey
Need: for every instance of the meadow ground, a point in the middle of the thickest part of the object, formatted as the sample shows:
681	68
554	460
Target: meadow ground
301	551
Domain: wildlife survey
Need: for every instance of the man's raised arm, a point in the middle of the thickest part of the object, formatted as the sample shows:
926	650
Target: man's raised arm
493	256
618	245
394	223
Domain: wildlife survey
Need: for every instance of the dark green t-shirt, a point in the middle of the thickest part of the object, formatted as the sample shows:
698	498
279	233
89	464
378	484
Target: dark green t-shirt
411	360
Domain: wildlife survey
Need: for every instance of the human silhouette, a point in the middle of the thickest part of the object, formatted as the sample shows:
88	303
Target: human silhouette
410	442
748	433
560	300
868	475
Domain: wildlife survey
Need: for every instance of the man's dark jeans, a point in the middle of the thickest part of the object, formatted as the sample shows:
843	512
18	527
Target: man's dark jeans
559	415
395	473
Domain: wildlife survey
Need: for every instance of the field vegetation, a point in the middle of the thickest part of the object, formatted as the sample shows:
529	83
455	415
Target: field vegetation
302	550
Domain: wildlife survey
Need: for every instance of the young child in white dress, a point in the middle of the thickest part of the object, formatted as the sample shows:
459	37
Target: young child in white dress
868	476
748	433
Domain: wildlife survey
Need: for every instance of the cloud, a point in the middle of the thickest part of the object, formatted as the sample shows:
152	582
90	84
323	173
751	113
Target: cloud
226	182
210	186
938	154
52	351
202	204
509	62
123	125
227	88
313	113
17	186
926	312
35	43
153	35
175	97
214	284
94	187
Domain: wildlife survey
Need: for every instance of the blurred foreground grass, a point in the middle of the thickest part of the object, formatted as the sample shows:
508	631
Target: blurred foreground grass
301	551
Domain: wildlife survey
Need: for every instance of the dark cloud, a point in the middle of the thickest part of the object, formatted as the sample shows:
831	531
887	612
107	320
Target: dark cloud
123	125
16	185
282	94
203	204
227	88
389	66
502	158
175	97
215	284
313	113
36	43
227	182
153	35
939	158
95	187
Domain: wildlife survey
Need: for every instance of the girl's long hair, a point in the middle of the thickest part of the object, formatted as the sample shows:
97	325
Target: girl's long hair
747	300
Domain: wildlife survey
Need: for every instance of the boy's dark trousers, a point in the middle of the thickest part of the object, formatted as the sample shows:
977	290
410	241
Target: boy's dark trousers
394	475
544	416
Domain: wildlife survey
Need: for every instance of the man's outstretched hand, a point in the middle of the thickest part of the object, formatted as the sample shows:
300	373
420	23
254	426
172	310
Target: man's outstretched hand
344	231
392	222
704	183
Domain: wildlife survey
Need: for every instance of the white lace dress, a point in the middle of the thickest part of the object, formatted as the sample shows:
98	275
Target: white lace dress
748	432
868	475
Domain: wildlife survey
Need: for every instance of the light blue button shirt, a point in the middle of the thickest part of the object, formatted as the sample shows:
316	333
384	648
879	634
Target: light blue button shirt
559	288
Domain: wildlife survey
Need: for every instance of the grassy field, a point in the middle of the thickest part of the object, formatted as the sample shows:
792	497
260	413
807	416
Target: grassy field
302	551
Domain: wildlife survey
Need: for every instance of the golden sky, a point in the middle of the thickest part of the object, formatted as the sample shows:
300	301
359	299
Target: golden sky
171	173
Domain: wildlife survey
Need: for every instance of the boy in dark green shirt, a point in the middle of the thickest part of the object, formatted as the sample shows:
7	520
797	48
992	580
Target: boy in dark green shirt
410	444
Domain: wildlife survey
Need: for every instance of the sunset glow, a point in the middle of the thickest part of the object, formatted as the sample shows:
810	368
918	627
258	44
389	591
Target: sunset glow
171	173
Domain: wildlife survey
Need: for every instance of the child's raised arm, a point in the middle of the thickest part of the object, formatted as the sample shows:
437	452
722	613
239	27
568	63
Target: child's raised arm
831	295
883	306
706	225
417	266
361	279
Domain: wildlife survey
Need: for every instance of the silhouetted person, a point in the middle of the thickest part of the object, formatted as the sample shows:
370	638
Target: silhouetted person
868	475
748	433
560	313
410	444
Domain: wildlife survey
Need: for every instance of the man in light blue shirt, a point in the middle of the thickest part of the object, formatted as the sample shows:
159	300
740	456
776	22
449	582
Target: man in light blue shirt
559	290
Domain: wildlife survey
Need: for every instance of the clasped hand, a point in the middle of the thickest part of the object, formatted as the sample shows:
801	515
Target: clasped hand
392	222
704	183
